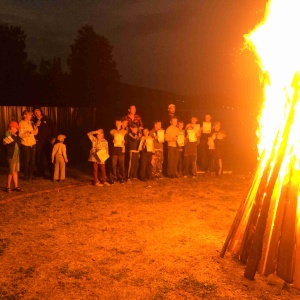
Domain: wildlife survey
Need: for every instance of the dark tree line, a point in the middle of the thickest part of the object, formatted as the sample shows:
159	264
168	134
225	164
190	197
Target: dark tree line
92	79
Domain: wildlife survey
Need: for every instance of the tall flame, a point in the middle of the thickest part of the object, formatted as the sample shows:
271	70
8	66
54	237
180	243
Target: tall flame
276	41
266	231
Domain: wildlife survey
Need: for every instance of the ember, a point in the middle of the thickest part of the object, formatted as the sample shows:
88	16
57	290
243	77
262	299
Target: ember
265	234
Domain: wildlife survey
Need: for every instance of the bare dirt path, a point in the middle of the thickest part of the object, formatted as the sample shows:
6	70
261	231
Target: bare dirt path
129	241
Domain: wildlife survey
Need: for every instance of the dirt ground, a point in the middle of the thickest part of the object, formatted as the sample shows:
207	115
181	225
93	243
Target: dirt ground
156	241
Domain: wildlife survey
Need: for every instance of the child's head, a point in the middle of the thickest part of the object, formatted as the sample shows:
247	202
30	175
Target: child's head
60	138
100	134
217	126
118	122
157	125
207	118
173	121
134	128
180	124
124	123
132	109
13	127
194	120
146	132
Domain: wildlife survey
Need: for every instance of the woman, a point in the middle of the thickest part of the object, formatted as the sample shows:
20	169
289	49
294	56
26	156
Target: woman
27	134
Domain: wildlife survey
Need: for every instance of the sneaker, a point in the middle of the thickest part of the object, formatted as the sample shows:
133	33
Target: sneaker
8	190
17	189
106	183
121	181
98	184
184	176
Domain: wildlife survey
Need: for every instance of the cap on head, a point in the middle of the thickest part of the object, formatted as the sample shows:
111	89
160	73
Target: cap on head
61	137
14	124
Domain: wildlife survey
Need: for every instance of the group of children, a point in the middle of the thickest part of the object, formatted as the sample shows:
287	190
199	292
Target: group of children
135	152
149	154
26	142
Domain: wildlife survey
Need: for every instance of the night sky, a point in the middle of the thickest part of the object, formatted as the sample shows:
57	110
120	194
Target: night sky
191	47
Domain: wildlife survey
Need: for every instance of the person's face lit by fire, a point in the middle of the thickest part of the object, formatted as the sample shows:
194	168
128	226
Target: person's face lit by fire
173	122
38	114
157	125
132	110
172	109
207	118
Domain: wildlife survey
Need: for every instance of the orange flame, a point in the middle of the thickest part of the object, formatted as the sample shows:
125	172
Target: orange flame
267	225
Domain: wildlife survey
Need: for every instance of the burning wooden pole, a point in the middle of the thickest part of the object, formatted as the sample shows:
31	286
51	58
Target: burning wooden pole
268	243
265	234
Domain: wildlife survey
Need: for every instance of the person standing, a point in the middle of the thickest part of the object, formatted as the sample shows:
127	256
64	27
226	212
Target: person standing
59	159
132	117
27	133
45	139
146	151
118	152
173	152
157	133
204	154
12	144
165	124
99	143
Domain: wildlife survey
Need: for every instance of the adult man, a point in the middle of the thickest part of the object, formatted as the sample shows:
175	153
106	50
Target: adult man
171	113
132	117
44	142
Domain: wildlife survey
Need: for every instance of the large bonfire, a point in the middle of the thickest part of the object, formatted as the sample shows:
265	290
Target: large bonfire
265	234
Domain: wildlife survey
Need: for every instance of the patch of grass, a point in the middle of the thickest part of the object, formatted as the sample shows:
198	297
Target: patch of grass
75	273
3	245
195	287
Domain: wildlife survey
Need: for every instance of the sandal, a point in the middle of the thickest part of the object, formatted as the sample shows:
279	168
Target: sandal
8	190
17	189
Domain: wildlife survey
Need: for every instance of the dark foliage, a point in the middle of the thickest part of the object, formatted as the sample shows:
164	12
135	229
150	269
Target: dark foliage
93	71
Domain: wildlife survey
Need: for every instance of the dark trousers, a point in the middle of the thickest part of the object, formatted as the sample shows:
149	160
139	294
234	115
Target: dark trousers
43	158
204	155
118	169
173	154
28	160
133	164
146	167
96	167
180	161
190	165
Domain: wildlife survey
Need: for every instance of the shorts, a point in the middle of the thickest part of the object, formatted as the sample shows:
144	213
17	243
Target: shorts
14	164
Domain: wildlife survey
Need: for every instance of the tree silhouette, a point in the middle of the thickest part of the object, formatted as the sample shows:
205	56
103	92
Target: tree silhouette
15	70
52	82
93	71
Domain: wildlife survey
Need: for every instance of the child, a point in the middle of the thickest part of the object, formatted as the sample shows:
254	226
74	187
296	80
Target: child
180	143
12	144
59	158
98	160
171	137
192	140
218	137
146	150
157	133
118	152
133	142
27	133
